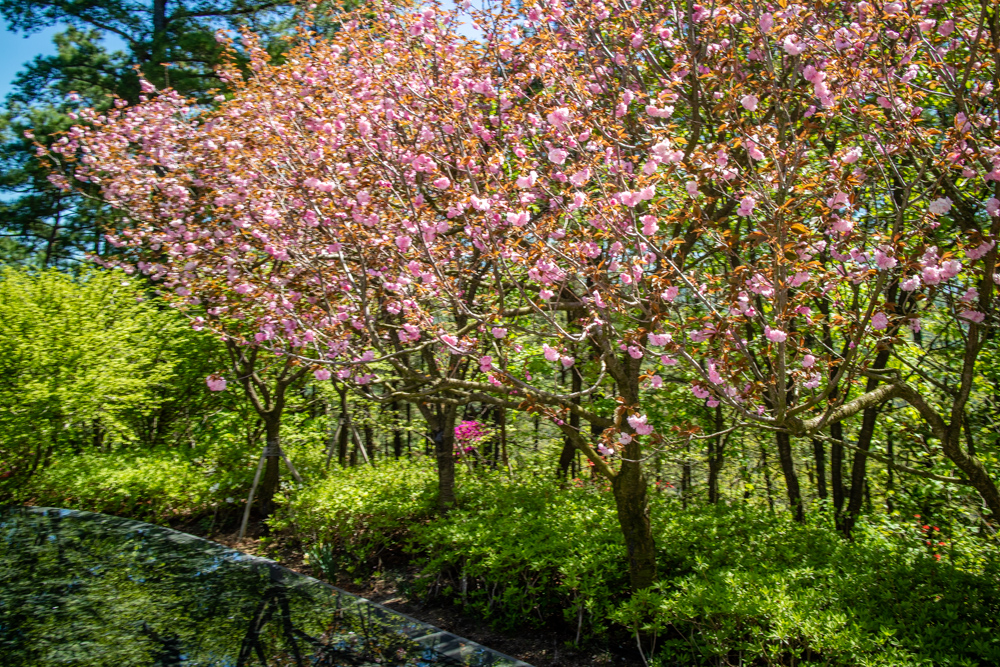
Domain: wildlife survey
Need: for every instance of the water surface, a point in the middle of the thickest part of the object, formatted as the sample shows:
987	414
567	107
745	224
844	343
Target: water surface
90	590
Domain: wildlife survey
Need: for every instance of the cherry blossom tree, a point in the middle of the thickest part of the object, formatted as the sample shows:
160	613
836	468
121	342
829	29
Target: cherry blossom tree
769	196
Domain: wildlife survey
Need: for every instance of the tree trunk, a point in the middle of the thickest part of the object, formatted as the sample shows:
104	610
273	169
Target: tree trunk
784	443
345	429
629	487
686	475
819	454
397	435
837	469
568	454
767	477
715	457
272	473
441	419
858	469
889	486
369	439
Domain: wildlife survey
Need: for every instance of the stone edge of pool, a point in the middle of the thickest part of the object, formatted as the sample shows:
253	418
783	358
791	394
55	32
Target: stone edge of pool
445	644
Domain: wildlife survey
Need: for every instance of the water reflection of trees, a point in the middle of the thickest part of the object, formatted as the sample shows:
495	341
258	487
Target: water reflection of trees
96	591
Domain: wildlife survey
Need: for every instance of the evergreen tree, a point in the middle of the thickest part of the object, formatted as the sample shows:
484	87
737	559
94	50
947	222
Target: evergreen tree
171	43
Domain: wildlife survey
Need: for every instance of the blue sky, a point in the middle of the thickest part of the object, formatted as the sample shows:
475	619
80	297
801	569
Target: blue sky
16	50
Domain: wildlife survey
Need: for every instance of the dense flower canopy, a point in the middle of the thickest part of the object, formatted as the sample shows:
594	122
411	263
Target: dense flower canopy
771	194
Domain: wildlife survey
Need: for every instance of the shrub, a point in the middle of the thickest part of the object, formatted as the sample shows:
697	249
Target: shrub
738	585
525	550
153	486
776	592
354	514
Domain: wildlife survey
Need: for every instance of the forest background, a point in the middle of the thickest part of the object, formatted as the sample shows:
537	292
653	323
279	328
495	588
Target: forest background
863	543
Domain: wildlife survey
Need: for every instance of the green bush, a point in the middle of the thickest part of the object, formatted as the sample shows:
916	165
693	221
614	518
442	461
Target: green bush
154	486
775	592
525	550
354	514
738	585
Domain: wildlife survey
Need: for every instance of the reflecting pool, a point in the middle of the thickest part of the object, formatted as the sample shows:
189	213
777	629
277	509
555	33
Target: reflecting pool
90	590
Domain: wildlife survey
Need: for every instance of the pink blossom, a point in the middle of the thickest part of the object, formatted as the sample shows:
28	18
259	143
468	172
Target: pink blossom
910	284
526	181
558	155
843	225
799	278
754	151
940	206
485	363
321	374
667	360
852	156
808	361
838	200
747	205
551	354
580	178
993	206
441	183
792	45
713	373
749	102
700	392
624	438
403	243
658	340
931	275
566	361
638	422
879	321
775	335
634	352
559	117
215	382
692	188
656	381
518	218
766	23
972	316
649	226
655	112
670	293
950	269
980	250
883	260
